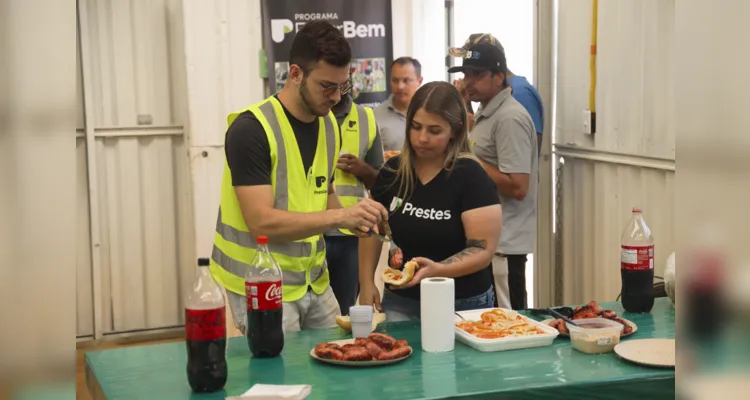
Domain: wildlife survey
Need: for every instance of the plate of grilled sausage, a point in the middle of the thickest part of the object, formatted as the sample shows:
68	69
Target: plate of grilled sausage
593	310
374	350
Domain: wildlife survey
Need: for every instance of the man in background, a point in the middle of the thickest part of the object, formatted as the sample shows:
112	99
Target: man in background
406	77
357	168
504	139
523	91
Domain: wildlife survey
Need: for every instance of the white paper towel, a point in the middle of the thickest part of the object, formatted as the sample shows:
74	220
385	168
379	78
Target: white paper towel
437	314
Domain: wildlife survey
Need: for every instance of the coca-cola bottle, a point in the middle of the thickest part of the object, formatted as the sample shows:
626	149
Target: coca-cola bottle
205	333
637	265
265	335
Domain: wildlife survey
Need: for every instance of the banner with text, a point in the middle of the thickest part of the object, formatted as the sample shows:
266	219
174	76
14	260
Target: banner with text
365	24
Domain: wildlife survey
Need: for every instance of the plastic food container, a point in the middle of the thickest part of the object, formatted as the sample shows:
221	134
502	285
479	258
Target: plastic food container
506	343
595	335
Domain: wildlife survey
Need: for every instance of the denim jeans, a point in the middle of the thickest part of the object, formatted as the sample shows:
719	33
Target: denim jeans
400	308
342	255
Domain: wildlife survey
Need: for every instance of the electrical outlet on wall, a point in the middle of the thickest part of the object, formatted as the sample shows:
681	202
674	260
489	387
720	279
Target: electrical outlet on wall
587	122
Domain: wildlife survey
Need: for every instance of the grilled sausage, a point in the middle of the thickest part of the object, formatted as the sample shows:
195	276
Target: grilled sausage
609	314
626	328
360	341
562	327
349	347
384	341
373	349
329	353
358	354
395	353
328	346
400	343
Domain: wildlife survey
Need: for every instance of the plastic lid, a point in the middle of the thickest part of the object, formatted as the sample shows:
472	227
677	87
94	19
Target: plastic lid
360	313
262	240
204	262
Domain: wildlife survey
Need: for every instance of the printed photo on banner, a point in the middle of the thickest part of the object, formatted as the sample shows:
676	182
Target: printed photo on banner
281	72
366	25
368	76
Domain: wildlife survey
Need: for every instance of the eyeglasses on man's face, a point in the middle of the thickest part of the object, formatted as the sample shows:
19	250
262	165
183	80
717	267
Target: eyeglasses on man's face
329	89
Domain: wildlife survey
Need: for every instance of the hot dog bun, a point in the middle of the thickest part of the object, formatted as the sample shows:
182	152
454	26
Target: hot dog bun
397	278
346	324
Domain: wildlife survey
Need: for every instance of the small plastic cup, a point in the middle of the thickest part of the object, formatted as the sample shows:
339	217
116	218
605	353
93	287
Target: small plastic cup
595	335
361	320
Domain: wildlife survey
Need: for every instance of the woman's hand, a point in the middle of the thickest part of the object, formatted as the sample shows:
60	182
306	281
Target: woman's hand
427	269
370	296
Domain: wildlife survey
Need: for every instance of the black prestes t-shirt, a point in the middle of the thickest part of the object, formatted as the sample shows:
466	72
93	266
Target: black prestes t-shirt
428	224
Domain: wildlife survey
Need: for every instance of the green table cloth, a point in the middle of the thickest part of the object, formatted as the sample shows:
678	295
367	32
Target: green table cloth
552	372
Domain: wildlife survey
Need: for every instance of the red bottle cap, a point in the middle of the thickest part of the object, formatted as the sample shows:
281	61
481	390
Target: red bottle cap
262	240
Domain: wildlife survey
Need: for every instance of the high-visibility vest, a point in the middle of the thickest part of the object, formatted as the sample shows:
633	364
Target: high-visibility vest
357	135
303	262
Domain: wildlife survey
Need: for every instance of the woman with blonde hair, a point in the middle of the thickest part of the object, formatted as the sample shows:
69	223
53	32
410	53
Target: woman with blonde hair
444	211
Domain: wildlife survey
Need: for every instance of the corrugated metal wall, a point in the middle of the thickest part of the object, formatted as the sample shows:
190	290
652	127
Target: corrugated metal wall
141	193
630	159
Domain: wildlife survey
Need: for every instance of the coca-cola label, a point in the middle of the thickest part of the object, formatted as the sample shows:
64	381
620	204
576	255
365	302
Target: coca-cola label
205	324
637	258
263	296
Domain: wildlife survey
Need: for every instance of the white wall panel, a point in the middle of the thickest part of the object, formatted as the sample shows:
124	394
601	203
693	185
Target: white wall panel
142	247
635	86
84	289
221	41
630	159
129	60
419	32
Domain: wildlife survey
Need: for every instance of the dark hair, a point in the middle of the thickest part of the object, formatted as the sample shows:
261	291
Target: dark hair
409	60
319	40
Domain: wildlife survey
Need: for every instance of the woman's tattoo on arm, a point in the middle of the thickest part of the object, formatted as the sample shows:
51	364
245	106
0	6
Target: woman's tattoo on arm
473	246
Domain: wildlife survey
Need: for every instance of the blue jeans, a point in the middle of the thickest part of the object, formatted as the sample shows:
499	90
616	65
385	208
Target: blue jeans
342	255
400	308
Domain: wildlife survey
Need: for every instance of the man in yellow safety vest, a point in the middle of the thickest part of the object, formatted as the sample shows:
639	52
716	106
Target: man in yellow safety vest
278	182
360	160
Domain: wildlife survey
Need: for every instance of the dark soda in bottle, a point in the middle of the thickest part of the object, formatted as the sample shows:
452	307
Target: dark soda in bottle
263	290
205	333
637	265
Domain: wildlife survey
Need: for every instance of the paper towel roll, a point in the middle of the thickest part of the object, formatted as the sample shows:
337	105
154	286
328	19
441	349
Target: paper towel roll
437	306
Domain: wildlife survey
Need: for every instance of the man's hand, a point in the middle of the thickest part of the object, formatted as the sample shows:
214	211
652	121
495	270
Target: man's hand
362	217
352	165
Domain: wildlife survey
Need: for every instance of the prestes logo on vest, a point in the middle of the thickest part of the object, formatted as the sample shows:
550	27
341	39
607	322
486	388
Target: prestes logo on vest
319	181
426	213
352	123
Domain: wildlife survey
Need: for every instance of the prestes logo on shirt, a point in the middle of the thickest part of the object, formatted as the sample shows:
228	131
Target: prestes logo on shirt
426	213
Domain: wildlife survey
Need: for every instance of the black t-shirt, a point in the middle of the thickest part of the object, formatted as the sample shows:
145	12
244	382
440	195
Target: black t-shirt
428	224
248	152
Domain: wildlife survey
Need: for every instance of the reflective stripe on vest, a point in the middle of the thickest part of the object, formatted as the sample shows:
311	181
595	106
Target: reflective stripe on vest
357	135
302	262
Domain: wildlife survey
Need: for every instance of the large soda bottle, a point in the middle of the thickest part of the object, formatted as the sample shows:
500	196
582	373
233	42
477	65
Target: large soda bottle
205	333
265	335
637	265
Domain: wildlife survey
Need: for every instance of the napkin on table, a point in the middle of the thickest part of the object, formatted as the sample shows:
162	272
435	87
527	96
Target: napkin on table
260	391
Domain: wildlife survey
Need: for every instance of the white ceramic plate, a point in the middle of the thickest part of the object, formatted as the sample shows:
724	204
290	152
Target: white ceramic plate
629	322
356	363
649	352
